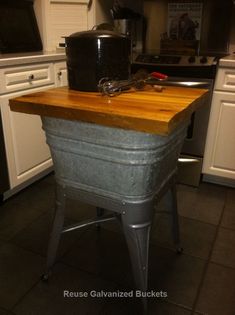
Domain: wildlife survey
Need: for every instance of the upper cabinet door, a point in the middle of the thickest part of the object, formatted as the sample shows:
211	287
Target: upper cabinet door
58	19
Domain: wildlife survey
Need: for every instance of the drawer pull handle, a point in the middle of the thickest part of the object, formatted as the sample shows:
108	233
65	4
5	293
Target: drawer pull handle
59	74
31	77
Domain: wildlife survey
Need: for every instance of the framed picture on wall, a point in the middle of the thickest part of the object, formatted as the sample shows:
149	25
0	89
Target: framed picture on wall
184	20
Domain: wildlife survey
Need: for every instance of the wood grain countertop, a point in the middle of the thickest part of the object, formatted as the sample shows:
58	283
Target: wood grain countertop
147	111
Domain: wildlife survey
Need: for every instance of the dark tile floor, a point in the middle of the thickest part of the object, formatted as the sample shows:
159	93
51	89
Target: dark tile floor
199	281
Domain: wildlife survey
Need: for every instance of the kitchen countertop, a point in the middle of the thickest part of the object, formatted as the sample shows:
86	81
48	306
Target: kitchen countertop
228	61
29	58
147	111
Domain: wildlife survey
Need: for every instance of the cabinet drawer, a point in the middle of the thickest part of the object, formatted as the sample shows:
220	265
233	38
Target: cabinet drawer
21	78
225	80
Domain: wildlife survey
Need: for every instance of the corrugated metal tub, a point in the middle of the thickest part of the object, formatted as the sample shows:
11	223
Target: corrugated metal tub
120	170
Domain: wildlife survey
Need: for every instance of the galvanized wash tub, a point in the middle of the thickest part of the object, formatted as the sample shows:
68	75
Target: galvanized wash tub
120	170
121	164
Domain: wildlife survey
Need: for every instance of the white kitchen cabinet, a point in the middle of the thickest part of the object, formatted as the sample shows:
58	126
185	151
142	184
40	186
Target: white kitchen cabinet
219	160
27	152
28	155
26	77
26	148
59	18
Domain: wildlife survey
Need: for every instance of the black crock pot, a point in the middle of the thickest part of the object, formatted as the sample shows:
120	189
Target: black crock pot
93	55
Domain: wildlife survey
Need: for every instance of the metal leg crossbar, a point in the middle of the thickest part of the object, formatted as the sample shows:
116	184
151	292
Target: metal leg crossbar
86	223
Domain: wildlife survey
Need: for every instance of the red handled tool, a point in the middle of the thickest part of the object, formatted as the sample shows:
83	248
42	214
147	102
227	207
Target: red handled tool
158	75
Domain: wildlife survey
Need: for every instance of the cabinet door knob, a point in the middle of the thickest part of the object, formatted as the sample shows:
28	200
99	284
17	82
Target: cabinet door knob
31	77
59	75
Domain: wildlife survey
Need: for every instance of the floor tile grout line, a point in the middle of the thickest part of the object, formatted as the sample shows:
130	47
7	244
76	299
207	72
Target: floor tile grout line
175	250
84	232
209	257
194	256
9	312
39	280
187	308
91	274
25	294
11	242
201	221
221	265
27	226
194	219
25	249
227	228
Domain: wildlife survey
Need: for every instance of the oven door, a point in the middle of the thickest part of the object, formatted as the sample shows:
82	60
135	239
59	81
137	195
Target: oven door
194	143
191	158
196	135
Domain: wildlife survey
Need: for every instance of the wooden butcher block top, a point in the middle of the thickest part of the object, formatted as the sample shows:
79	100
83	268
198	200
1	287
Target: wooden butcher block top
149	111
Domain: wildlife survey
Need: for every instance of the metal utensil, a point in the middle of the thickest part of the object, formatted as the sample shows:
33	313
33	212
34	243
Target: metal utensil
115	87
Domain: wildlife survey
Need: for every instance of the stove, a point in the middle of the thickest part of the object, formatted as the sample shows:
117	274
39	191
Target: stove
181	60
188	71
178	65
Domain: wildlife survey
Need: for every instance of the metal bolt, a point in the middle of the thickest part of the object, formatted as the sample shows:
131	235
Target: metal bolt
123	212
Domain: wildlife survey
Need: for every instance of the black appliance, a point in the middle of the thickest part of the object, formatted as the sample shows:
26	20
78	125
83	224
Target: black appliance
18	27
193	72
4	180
96	54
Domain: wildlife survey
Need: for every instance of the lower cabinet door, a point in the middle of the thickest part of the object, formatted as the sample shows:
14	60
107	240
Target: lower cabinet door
27	152
220	145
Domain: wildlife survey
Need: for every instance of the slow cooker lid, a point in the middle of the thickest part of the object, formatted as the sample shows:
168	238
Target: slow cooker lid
96	34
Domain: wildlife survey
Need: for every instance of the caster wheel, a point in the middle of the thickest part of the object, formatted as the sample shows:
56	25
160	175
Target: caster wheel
179	250
45	277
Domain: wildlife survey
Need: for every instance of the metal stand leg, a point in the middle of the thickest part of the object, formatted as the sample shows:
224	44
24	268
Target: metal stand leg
99	213
137	238
172	205
56	230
